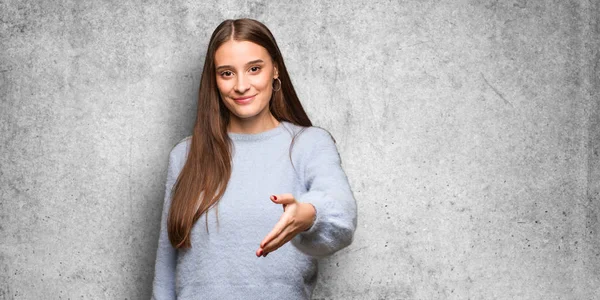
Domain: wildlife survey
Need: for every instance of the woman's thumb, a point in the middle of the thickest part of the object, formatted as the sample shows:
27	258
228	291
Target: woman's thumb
283	199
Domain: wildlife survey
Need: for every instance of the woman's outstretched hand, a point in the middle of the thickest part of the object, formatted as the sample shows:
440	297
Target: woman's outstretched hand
297	217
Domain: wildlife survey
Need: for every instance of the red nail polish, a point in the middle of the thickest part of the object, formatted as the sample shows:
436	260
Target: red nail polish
274	197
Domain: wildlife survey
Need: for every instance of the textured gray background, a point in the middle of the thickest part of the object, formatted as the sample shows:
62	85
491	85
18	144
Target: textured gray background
469	130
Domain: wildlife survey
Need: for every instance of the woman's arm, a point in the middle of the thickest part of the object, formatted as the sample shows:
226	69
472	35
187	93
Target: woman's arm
163	286
329	192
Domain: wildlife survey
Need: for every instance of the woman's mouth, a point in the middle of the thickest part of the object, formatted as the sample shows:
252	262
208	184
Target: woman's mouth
244	100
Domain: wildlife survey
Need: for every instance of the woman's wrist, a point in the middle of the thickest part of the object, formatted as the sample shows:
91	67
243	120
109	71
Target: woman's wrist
313	213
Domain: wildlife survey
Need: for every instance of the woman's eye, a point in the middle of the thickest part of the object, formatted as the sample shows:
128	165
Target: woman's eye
254	69
226	73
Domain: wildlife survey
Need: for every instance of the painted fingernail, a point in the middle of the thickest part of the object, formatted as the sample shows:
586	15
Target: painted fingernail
274	197
266	254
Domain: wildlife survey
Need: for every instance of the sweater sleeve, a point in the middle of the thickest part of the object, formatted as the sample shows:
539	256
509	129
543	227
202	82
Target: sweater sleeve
329	192
163	286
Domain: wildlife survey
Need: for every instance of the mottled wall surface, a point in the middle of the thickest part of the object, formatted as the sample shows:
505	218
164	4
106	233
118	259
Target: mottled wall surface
469	130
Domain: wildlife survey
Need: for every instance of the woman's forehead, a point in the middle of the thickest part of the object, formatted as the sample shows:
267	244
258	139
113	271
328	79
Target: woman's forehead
238	53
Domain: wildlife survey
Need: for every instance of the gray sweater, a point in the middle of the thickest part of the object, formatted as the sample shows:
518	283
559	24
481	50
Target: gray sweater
222	264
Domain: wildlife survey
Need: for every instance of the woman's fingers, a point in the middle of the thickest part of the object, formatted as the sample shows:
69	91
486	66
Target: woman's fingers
282	231
285	236
279	227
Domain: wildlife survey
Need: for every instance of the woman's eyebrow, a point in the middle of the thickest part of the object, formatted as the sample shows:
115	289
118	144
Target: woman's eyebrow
256	61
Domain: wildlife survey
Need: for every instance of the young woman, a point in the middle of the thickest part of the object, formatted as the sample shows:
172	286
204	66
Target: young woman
255	179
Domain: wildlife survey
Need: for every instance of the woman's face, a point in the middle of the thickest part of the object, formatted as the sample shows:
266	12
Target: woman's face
245	74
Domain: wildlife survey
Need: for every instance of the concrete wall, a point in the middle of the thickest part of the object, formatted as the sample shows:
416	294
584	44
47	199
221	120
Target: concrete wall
470	132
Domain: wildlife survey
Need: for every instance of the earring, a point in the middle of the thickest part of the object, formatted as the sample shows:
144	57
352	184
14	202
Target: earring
279	86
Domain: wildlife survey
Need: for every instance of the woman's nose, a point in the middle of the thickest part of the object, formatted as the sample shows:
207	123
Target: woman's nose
242	85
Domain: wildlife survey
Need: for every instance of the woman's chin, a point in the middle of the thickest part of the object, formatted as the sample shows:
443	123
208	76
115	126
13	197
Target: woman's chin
245	116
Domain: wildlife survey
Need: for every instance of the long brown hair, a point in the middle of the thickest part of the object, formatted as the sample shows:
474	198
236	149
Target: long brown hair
204	177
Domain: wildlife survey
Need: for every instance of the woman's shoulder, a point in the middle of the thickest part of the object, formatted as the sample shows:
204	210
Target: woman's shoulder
314	144
181	148
309	141
311	135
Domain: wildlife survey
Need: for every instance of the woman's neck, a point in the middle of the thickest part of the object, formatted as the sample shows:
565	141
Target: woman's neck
252	125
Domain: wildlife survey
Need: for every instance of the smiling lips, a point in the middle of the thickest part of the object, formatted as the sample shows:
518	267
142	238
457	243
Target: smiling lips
244	100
